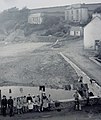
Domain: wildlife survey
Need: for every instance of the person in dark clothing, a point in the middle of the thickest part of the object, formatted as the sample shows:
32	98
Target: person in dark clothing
44	102
4	105
87	97
29	98
10	106
77	102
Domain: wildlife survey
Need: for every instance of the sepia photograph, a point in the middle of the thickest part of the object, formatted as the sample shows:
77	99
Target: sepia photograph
50	59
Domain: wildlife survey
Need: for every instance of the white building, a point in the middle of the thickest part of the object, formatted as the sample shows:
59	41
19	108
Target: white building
35	18
76	31
92	32
76	13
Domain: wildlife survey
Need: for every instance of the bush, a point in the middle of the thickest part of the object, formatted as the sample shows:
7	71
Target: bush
57	30
97	10
49	21
59	34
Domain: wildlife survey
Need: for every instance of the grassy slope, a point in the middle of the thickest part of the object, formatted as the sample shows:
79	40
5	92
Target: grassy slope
42	66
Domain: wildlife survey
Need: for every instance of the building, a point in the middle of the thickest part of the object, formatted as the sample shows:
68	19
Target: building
77	13
92	32
76	31
36	18
80	12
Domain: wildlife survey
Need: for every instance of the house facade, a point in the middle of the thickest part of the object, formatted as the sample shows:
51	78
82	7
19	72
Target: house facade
35	18
76	13
76	31
92	32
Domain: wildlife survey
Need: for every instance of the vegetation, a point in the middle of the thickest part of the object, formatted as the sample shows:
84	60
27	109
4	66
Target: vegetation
97	10
13	18
55	26
49	21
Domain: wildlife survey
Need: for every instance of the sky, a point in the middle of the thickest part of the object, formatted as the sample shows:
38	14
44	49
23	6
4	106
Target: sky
6	4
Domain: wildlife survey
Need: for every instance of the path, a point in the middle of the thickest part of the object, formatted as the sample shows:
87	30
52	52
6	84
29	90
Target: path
75	52
95	88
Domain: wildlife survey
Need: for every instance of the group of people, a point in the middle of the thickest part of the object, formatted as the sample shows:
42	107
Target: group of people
25	104
40	102
83	91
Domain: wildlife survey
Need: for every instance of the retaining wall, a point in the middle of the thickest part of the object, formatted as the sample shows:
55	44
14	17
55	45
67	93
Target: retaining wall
69	104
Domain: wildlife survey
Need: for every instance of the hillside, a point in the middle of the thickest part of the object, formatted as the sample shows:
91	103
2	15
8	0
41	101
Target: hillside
14	22
15	27
12	19
30	63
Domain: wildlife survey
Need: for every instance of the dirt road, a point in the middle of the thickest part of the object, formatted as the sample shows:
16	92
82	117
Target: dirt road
74	50
88	113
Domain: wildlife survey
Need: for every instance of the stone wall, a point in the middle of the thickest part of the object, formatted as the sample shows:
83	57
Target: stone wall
69	104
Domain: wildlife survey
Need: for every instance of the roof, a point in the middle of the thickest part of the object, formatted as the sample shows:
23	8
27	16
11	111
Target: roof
76	28
76	6
91	7
92	20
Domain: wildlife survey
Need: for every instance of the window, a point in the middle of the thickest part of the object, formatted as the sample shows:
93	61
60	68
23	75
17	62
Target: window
21	90
77	15
10	91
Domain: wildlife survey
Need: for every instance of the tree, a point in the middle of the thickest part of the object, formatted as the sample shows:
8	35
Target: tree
49	21
14	18
97	10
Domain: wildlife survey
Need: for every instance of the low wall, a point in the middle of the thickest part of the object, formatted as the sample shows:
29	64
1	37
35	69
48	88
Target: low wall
69	104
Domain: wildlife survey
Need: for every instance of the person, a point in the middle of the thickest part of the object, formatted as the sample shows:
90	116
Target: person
37	102
83	88
34	104
77	103
22	103
15	105
19	106
87	97
25	104
29	98
4	105
49	101
10	106
44	102
80	90
30	105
